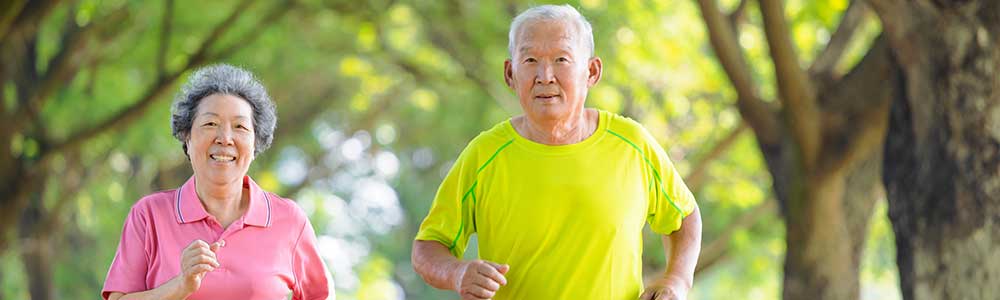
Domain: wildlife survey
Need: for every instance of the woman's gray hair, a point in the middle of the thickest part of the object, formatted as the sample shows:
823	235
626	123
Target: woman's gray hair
228	80
564	13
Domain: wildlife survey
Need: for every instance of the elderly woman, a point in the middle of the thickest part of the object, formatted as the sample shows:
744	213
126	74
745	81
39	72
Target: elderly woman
218	236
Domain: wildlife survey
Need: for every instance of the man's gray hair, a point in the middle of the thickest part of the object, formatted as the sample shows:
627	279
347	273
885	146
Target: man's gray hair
564	13
227	80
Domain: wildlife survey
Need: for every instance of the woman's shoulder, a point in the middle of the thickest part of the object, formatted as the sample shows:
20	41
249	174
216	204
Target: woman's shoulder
157	199
282	206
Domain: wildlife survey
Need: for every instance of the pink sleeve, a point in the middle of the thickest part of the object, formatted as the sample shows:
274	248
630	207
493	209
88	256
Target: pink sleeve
128	271
312	281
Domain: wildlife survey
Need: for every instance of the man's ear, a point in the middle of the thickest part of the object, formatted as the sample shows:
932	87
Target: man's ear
508	73
594	69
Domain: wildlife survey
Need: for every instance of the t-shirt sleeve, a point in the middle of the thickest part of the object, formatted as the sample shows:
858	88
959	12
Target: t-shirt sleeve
128	270
450	220
670	200
312	281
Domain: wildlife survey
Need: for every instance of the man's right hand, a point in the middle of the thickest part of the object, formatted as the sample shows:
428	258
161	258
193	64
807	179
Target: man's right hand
480	279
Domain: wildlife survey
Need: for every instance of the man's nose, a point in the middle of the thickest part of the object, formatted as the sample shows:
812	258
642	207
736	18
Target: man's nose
545	74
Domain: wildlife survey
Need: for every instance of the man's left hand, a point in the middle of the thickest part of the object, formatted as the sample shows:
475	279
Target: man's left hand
666	288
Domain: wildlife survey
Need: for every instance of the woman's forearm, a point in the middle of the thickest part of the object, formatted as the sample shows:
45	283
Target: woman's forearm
170	290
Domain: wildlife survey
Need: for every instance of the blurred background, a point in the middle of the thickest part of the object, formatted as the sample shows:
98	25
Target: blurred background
376	99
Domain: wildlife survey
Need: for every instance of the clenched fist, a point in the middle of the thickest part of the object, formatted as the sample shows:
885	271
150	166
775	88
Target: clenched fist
480	279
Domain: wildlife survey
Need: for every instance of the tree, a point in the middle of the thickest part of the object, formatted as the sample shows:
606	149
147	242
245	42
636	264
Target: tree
819	139
941	163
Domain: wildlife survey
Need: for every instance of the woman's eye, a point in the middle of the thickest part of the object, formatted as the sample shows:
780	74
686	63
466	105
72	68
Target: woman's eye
209	124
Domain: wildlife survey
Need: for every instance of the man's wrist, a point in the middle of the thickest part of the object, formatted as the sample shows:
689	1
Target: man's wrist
457	272
678	281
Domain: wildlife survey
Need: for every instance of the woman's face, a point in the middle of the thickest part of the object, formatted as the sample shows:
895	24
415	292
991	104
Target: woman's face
221	144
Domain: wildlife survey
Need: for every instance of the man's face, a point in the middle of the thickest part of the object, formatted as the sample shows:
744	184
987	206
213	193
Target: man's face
550	70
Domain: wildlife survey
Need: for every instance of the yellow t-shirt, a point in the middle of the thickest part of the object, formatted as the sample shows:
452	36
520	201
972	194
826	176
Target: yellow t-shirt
567	219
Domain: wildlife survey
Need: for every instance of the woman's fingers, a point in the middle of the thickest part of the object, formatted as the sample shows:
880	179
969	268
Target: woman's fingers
201	269
200	252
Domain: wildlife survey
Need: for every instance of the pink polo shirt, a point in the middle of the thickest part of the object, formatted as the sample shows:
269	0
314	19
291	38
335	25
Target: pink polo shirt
269	253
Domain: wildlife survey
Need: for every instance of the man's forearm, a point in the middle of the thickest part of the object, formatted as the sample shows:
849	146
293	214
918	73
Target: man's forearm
684	246
435	264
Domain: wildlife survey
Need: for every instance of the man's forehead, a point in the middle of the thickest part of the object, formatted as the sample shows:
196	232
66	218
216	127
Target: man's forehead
565	28
546	32
527	47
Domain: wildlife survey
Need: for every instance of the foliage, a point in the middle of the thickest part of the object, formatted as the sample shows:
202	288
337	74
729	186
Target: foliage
376	98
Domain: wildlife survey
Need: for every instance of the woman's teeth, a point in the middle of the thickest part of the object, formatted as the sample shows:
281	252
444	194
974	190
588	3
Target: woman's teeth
222	158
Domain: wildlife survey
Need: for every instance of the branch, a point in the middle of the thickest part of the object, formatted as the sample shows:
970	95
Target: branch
64	65
10	9
248	38
798	98
696	178
448	40
200	56
165	30
898	19
727	49
26	23
831	55
154	92
738	16
858	107
717	250
71	185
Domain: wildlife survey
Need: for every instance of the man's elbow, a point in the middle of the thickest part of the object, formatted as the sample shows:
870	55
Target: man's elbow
692	223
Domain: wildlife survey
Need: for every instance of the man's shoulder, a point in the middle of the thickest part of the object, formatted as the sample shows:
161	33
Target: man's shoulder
628	129
491	139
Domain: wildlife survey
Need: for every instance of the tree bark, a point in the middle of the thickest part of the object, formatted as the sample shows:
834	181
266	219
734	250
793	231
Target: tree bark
942	152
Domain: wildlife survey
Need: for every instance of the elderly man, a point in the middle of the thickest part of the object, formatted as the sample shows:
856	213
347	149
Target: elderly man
559	195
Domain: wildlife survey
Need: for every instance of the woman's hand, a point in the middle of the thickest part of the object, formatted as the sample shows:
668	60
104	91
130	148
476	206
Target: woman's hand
197	260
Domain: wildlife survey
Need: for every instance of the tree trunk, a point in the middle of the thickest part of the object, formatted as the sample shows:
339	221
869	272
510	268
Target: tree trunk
942	153
826	221
36	252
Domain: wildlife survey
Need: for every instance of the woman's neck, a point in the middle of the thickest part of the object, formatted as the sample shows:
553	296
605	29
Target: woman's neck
225	202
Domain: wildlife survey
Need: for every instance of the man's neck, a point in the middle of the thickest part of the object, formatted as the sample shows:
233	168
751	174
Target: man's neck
574	129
